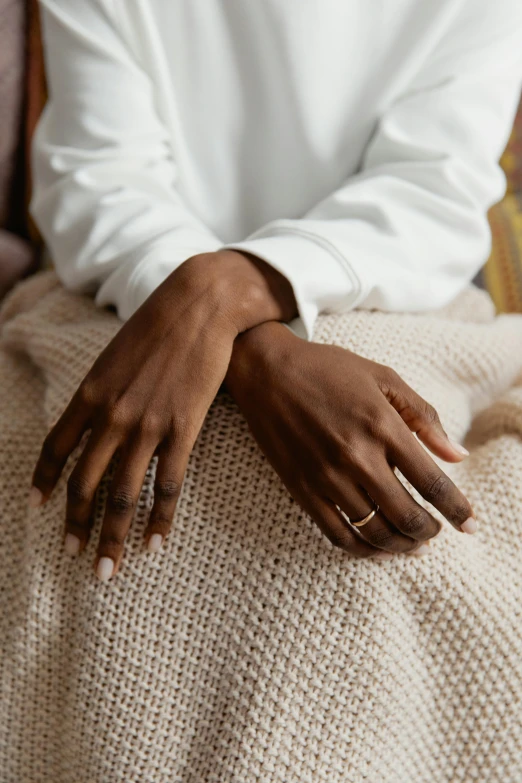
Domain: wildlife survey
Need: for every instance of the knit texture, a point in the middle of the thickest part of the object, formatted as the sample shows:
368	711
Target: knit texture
250	649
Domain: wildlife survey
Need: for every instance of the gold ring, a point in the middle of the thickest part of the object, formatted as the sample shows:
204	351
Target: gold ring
367	518
364	520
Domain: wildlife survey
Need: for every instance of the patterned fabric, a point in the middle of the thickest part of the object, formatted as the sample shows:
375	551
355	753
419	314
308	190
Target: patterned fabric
503	272
512	157
250	649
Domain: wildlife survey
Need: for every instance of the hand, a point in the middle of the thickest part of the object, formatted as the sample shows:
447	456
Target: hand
149	392
334	425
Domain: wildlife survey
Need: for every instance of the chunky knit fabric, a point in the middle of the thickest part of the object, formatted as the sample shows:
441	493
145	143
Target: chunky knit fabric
250	649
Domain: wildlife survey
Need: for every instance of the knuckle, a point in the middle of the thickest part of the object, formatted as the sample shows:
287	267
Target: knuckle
340	540
87	394
389	374
429	413
121	501
150	424
167	490
412	521
117	418
160	521
376	424
50	451
388	378
79	490
459	512
111	540
435	488
381	538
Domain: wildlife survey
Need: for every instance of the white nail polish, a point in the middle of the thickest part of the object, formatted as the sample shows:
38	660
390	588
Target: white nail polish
383	556
469	526
72	544
460	449
424	549
35	498
155	542
105	568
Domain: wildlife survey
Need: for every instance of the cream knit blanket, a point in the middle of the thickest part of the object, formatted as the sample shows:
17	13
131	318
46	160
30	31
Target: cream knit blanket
250	649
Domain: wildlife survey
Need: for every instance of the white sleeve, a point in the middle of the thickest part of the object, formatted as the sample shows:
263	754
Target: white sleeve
105	196
410	230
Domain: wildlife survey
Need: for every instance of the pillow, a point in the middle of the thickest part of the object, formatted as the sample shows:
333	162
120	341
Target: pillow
12	53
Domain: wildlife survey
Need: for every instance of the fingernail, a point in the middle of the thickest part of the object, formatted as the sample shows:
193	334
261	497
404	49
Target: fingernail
105	568
383	556
469	526
424	549
155	542
35	498
459	449
72	544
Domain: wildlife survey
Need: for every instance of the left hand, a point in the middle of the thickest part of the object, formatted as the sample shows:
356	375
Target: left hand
149	392
334	426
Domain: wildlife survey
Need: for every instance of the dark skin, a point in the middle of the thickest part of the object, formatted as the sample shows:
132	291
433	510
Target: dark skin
333	425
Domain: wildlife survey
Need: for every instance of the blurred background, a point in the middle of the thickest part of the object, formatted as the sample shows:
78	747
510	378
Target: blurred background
22	97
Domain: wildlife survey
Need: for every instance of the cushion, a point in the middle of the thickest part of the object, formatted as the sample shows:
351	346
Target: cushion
503	271
12	36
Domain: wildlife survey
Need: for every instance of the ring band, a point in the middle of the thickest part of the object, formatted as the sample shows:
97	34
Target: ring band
364	520
367	518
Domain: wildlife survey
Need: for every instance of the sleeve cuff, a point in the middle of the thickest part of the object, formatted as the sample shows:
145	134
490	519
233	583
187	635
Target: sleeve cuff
322	280
132	283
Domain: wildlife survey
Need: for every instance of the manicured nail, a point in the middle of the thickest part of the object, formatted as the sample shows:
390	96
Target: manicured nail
105	568
424	549
383	556
469	526
35	498
155	542
72	544
459	449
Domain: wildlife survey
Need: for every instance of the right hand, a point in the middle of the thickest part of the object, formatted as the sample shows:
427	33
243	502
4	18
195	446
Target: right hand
334	426
149	391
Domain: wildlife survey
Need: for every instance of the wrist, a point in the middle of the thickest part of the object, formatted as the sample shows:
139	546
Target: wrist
245	289
257	352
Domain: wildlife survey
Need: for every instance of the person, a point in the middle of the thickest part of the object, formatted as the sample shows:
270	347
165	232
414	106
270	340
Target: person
212	169
223	174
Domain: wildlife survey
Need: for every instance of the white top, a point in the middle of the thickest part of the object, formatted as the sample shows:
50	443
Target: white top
352	144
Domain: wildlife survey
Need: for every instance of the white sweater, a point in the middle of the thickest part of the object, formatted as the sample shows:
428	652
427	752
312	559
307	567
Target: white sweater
352	144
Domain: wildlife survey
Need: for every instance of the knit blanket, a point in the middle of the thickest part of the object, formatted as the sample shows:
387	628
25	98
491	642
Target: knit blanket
249	648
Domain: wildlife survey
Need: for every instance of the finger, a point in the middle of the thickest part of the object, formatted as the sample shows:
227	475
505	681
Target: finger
82	486
330	521
380	530
170	472
421	418
431	482
399	507
122	499
62	439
